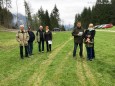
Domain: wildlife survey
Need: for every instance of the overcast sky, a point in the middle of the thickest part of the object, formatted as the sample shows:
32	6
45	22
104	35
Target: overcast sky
67	8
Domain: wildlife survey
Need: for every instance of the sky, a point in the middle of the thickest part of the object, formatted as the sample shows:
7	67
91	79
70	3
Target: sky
67	8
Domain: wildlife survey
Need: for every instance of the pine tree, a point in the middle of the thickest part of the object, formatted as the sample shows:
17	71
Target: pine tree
54	18
35	22
56	13
76	19
85	18
5	17
0	15
102	13
62	28
41	16
113	12
47	19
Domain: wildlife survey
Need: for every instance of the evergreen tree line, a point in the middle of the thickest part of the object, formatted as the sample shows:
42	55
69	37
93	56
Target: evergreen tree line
40	18
102	13
45	19
5	15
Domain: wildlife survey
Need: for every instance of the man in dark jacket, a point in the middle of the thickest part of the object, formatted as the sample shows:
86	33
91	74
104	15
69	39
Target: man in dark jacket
30	41
78	33
40	38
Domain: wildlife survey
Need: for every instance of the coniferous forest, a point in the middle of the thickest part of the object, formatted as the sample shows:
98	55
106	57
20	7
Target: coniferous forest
103	12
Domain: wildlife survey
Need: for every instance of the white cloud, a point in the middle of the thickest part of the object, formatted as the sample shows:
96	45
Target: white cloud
67	8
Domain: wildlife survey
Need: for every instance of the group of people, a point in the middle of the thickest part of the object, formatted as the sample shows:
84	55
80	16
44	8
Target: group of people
26	39
84	36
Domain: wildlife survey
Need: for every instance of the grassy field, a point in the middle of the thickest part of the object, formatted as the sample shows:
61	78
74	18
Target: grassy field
57	68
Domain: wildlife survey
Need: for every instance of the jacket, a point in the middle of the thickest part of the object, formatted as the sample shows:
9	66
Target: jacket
31	36
91	38
22	37
39	35
92	32
78	38
48	36
89	44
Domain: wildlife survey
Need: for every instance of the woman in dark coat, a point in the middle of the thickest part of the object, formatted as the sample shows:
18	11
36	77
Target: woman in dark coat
48	38
92	32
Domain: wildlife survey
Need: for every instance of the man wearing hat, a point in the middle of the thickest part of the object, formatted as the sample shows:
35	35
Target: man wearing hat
22	37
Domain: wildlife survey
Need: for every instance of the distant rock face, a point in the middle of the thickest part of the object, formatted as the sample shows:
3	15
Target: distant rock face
21	20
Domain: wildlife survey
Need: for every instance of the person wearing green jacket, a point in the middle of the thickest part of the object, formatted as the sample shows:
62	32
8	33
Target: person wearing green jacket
40	38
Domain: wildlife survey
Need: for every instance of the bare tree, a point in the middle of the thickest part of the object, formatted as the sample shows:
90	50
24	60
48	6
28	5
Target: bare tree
28	14
2	3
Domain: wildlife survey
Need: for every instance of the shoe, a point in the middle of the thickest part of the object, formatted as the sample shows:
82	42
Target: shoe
81	56
27	56
75	58
93	57
90	60
22	57
47	50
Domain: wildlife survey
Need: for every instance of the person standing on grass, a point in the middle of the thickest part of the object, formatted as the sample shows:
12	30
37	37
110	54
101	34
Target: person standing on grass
48	38
30	41
78	33
40	38
89	45
22	37
90	34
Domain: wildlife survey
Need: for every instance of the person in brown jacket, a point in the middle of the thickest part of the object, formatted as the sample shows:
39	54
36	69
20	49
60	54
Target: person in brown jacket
22	37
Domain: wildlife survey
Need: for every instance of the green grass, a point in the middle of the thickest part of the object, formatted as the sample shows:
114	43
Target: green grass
57	68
